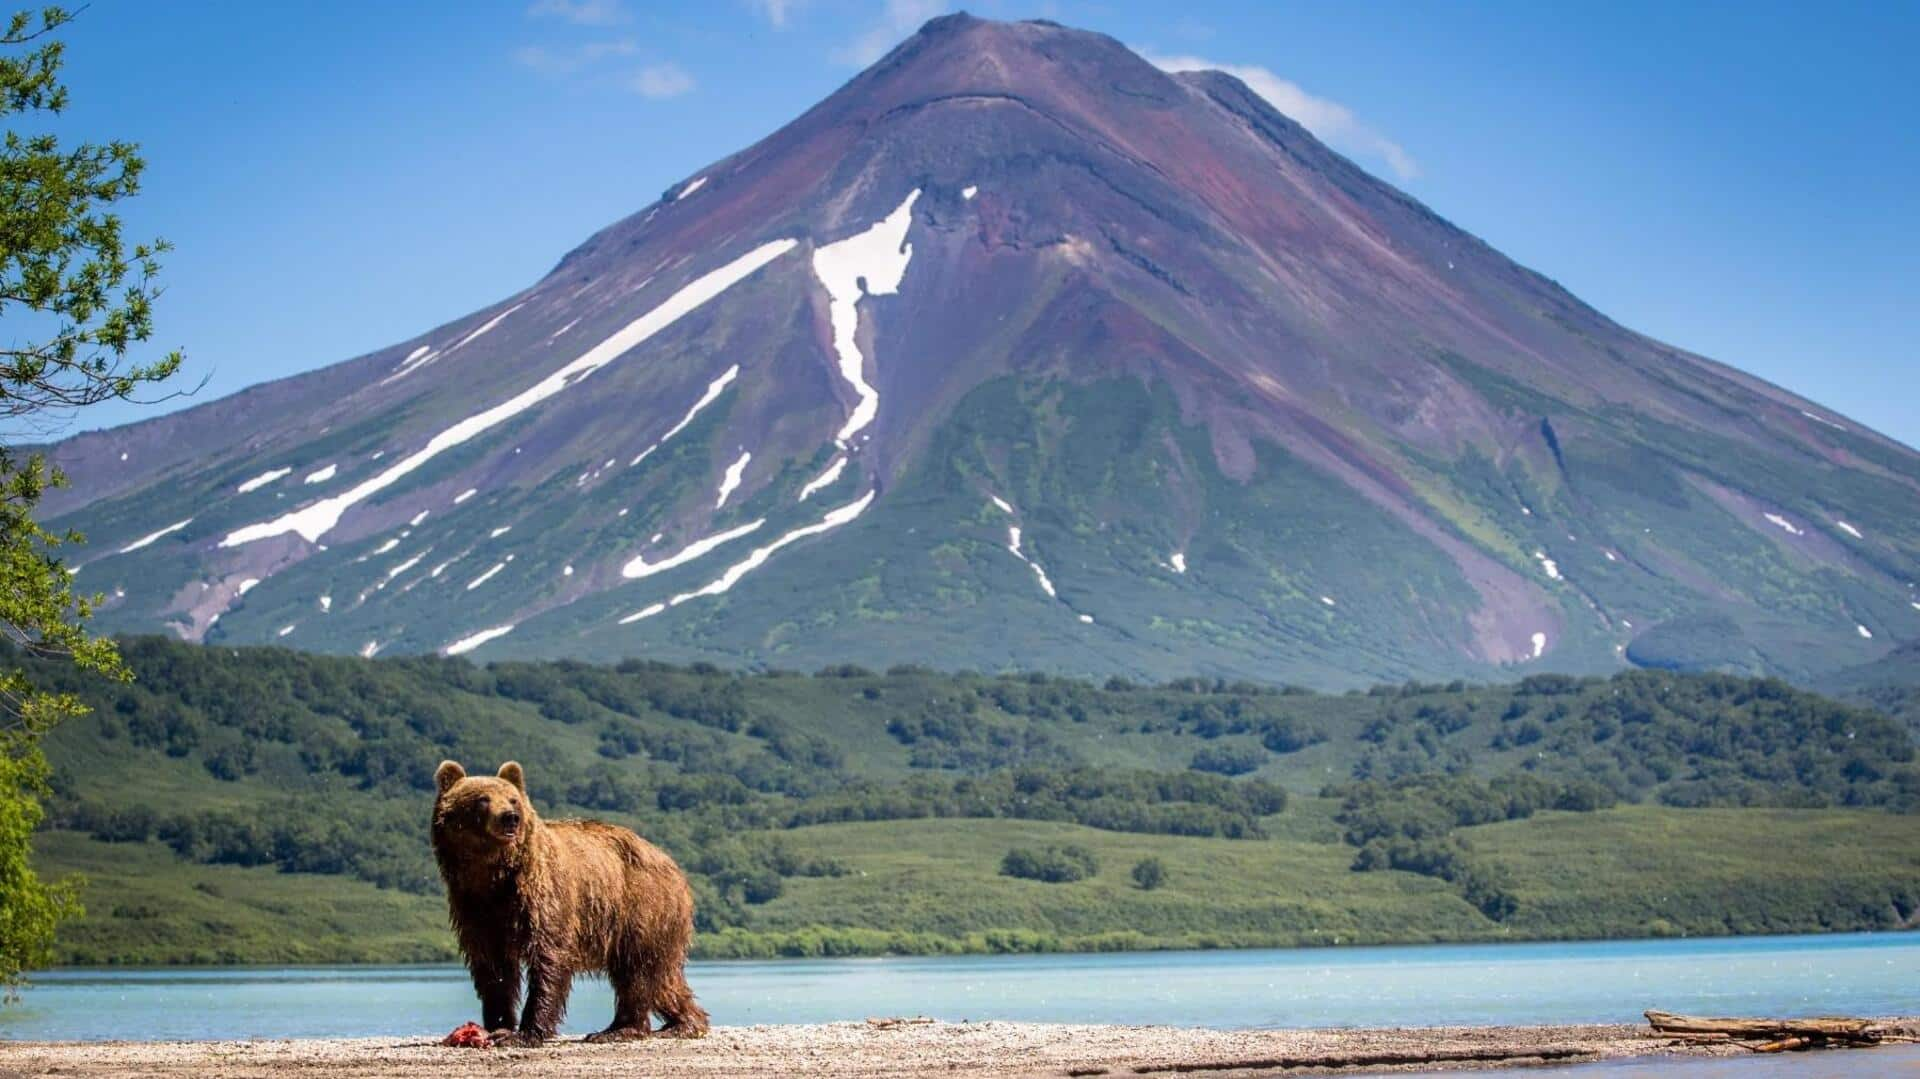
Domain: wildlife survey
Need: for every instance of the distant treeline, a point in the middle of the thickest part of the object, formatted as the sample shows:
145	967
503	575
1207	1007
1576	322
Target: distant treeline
1409	824
1691	740
261	756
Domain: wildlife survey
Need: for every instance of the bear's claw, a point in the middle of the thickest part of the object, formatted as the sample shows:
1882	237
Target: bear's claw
620	1034
514	1039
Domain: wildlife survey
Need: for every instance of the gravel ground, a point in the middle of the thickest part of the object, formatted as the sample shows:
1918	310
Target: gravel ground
863	1050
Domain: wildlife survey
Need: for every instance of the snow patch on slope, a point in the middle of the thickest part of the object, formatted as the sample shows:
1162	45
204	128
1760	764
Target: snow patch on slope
405	566
731	481
469	643
487	326
1539	645
1013	544
488	576
417	358
834	519
1792	529
261	480
648	611
421	357
1849	530
714	390
315	521
151	536
1784	523
825	479
870	263
638	566
322	475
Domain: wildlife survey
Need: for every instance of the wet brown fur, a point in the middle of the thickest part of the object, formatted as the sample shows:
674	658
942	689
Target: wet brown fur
560	898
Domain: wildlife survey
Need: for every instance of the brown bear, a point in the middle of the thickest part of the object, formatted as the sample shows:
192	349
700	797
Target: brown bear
560	898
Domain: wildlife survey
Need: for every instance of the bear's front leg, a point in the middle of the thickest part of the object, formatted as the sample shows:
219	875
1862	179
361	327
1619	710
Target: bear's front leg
496	979
548	984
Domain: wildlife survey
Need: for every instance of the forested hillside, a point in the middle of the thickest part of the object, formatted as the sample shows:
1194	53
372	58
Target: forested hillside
1308	816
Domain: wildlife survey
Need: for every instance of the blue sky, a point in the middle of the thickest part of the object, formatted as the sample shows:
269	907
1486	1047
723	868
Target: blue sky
1740	179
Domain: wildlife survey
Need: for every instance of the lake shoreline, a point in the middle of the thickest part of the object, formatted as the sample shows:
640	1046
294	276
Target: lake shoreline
778	950
869	1050
1502	985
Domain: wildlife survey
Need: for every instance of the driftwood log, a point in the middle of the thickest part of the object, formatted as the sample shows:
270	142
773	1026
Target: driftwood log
1772	1035
890	1021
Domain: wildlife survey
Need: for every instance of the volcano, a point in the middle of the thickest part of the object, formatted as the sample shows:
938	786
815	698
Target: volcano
1019	352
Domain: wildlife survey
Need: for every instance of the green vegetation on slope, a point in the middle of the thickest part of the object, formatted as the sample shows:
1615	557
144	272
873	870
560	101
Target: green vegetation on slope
145	906
852	811
934	887
1652	872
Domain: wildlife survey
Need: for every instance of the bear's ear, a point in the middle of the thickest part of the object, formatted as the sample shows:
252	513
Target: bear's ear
512	773
448	774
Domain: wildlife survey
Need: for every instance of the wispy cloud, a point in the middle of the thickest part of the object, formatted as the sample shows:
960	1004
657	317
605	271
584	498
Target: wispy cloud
597	62
659	81
551	60
1328	120
775	11
1193	29
580	12
898	18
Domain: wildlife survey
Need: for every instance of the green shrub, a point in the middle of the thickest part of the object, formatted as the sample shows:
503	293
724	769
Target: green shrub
1227	760
1149	873
1054	864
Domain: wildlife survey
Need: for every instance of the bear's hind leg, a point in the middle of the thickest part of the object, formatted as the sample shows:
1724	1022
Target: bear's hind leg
624	1028
681	1016
632	1007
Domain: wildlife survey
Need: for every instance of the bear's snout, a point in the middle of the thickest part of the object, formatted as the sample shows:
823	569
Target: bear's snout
507	823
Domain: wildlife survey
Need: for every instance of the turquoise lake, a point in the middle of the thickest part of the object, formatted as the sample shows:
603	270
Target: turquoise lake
1431	985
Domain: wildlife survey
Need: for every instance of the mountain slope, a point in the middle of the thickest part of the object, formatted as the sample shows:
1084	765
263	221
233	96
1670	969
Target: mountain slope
1019	352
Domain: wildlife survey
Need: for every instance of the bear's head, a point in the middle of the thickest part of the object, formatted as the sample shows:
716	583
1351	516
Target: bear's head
481	817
